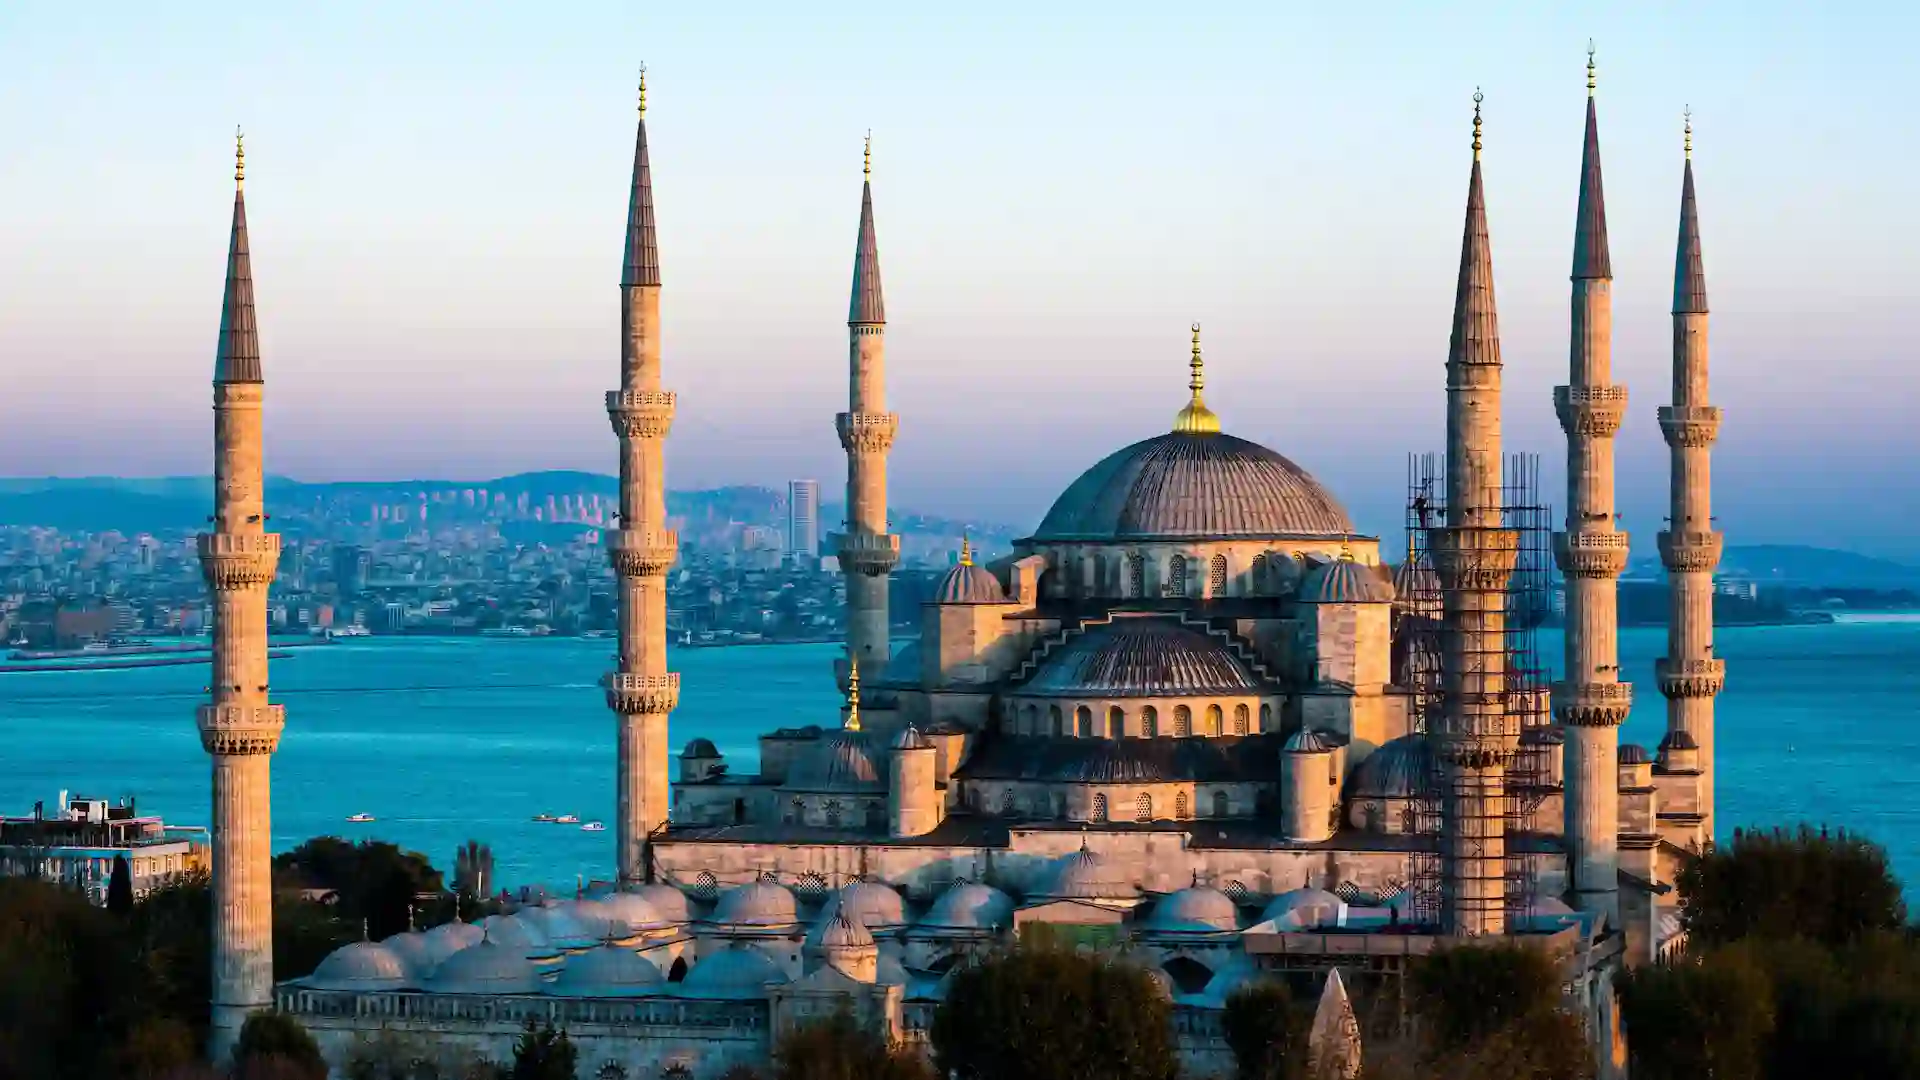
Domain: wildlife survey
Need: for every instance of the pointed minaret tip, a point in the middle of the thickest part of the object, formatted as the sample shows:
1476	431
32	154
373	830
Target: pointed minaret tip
1476	323
642	263
236	357
1592	72
239	159
1591	258
1689	270
1195	418
643	91
868	307
1478	97
966	550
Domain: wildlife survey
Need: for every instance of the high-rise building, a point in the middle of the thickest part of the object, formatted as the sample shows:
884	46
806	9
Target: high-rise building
350	565
803	521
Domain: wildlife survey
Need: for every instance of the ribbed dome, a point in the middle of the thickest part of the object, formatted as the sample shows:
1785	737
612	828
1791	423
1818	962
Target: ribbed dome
872	903
1307	742
757	903
911	739
607	971
1194	486
486	968
1198	909
1634	754
448	938
414	951
631	913
1344	581
843	761
669	902
1084	875
1141	657
1397	770
842	931
969	905
732	973
363	965
1305	909
700	748
966	583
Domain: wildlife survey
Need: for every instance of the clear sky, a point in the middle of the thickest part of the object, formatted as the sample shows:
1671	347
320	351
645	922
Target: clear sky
436	195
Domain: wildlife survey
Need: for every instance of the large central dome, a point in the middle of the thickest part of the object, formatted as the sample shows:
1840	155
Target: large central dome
1194	486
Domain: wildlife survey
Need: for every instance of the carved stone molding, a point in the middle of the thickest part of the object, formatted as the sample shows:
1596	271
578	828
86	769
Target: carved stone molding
1595	411
238	560
240	729
870	433
1474	559
640	414
1690	426
871	554
1590	554
642	695
1691	678
1593	704
642	553
1690	552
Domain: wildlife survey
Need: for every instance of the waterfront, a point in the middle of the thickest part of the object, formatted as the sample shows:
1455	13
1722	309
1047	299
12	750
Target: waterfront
449	739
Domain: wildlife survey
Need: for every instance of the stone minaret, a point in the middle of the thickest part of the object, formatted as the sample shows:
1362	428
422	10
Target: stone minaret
1474	554
868	553
641	691
239	727
1592	701
1691	675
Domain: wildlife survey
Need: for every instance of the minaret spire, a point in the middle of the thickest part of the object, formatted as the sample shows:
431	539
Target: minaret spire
1591	702
868	552
1690	675
1195	418
239	728
640	690
1474	554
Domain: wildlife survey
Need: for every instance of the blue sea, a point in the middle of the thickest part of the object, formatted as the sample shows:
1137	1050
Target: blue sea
446	740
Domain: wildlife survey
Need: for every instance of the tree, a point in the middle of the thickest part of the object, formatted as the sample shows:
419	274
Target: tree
1267	1033
274	1046
838	1047
473	869
120	887
543	1053
1494	1010
1831	887
1711	1020
376	882
1053	1014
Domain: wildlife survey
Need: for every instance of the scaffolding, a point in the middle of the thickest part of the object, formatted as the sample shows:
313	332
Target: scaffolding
1520	703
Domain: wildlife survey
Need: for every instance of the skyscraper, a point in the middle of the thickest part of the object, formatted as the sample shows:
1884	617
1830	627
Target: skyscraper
803	521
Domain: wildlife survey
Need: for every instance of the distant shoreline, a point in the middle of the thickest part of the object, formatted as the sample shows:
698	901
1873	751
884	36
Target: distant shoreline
277	652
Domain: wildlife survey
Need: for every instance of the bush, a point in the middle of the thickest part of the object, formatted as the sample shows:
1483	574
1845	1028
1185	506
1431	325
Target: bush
840	1048
543	1053
1493	1012
1047	1013
1830	887
274	1046
1710	1019
1267	1032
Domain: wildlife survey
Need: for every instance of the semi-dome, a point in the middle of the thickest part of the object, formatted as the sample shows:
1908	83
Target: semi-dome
1194	486
486	968
448	938
1135	656
700	749
1398	770
607	971
757	903
1084	875
1197	909
969	905
842	762
1634	754
362	965
414	951
1308	742
966	583
671	904
1344	581
741	972
872	903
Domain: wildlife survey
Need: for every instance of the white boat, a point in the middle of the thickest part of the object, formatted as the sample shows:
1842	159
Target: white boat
593	826
548	818
566	819
361	818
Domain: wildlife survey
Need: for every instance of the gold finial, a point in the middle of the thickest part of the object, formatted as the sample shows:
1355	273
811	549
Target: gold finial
239	158
866	157
1592	81
1346	551
1196	418
643	91
1687	115
853	694
966	550
1478	97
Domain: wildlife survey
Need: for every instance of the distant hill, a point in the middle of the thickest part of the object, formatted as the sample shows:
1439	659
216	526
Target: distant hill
102	510
1806	567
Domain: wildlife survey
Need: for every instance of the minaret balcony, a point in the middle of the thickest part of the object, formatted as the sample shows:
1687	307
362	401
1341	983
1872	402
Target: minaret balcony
866	433
1468	559
238	560
1590	554
1690	552
642	695
1594	411
241	729
866	553
1592	704
1690	678
642	552
1478	750
1690	426
640	414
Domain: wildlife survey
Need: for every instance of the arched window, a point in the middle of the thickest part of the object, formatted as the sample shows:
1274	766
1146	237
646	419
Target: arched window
1149	722
1240	719
1100	585
1083	722
1099	812
1143	807
1222	806
678	971
1032	725
1006	803
1266	717
1136	575
1180	805
1055	721
1182	722
1214	720
1217	576
1259	574
1177	576
1116	722
833	813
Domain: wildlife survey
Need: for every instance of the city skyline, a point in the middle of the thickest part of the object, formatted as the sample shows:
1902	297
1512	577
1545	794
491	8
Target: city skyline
1276	209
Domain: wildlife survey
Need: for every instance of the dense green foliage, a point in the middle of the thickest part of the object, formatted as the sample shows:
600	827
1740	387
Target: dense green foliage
376	883
120	887
839	1047
543	1053
1833	888
1048	1013
1267	1032
274	1045
1494	1012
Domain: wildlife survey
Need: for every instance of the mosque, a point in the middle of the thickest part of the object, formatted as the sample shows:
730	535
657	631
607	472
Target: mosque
1185	717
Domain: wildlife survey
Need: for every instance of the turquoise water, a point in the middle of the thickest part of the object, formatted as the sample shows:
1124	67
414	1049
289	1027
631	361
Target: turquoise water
446	740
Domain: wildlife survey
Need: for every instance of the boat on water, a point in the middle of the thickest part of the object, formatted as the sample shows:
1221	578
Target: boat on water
506	631
544	818
360	818
567	819
593	826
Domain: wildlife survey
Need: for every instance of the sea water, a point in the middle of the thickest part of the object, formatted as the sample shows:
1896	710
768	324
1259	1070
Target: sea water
446	740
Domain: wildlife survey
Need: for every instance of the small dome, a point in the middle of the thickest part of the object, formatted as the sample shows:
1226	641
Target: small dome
1198	909
841	931
699	749
562	926
1634	754
1679	740
872	903
757	903
486	968
607	971
1396	770
363	965
1134	656
670	903
1305	909
631	913
448	938
911	739
517	932
414	951
1308	742
969	905
966	583
1344	581
1084	875
1416	586
842	762
741	972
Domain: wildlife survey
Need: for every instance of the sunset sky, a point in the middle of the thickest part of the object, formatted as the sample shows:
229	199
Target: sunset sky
436	196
